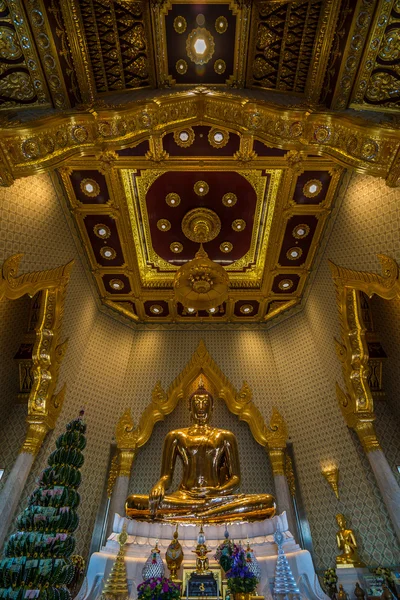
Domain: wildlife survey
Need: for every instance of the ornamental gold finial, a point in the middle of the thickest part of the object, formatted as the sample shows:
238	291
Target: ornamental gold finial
331	474
117	585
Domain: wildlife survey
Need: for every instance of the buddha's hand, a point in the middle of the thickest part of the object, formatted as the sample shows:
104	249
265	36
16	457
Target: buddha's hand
156	496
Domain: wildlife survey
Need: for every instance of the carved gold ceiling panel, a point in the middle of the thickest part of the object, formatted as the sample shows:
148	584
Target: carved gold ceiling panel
267	219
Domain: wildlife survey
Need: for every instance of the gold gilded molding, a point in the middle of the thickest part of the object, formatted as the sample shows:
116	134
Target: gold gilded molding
112	475
79	50
277	458
238	402
47	354
356	402
352	141
38	427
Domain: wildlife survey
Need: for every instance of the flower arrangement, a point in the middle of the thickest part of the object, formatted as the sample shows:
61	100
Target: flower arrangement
240	578
388	575
158	588
330	581
224	554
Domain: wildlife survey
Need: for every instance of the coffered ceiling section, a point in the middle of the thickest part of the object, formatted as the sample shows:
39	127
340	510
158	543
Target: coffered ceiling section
138	222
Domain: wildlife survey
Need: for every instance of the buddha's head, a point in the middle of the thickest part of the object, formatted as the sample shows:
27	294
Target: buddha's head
201	405
341	521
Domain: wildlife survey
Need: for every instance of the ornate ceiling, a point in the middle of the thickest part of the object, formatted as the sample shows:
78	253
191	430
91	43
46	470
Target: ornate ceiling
268	217
161	115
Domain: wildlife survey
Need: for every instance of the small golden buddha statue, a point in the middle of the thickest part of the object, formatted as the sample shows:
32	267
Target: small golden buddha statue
208	491
346	542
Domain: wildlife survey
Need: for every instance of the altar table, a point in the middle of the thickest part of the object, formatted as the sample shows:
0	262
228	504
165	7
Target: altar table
142	537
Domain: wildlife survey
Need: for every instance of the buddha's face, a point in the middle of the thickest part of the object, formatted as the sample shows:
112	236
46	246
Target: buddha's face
341	521
201	408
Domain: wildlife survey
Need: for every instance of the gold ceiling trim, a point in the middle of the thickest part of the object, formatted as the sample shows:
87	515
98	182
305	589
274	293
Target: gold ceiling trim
150	263
163	403
357	403
50	142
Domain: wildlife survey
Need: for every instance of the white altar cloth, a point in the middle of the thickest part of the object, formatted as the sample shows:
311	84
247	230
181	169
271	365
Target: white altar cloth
142	537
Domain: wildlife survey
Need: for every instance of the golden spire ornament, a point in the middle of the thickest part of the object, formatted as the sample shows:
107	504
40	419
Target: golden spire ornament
117	584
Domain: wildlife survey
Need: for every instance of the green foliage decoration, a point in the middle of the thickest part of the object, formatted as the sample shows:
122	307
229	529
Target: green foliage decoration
36	563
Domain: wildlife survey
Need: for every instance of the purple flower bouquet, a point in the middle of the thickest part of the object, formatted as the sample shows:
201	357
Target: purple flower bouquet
158	588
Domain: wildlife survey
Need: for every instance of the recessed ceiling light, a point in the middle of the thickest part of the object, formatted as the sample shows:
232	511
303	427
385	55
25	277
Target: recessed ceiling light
200	46
108	253
102	231
285	284
301	231
156	309
313	188
212	310
184	136
117	284
191	310
218	137
238	225
176	247
89	187
294	253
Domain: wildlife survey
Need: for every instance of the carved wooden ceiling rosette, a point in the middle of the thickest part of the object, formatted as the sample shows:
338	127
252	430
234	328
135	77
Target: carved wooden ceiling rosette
205	43
137	234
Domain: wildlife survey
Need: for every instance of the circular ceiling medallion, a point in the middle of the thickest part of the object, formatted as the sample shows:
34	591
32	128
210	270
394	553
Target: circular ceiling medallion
176	247
117	284
180	24
246	309
226	247
181	66
238	225
200	20
200	46
218	138
229	199
156	309
102	231
173	199
294	253
201	225
184	138
201	188
220	66
301	231
108	253
312	188
285	284
90	187
221	24
163	224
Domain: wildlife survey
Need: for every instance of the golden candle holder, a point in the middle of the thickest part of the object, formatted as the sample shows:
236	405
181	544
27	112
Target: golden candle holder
331	474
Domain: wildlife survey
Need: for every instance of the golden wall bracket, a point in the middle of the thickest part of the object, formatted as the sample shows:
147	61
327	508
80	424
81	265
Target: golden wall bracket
44	405
351	141
356	402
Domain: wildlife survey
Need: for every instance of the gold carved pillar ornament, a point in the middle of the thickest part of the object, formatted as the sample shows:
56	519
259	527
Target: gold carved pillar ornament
44	405
356	401
331	474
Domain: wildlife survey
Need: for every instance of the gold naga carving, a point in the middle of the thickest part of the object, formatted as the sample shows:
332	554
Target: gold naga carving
41	145
356	402
44	405
272	436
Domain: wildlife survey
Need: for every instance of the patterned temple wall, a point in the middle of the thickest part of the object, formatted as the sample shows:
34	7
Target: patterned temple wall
109	367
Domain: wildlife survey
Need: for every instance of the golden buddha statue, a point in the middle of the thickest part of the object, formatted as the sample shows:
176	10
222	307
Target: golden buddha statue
346	542
210	482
